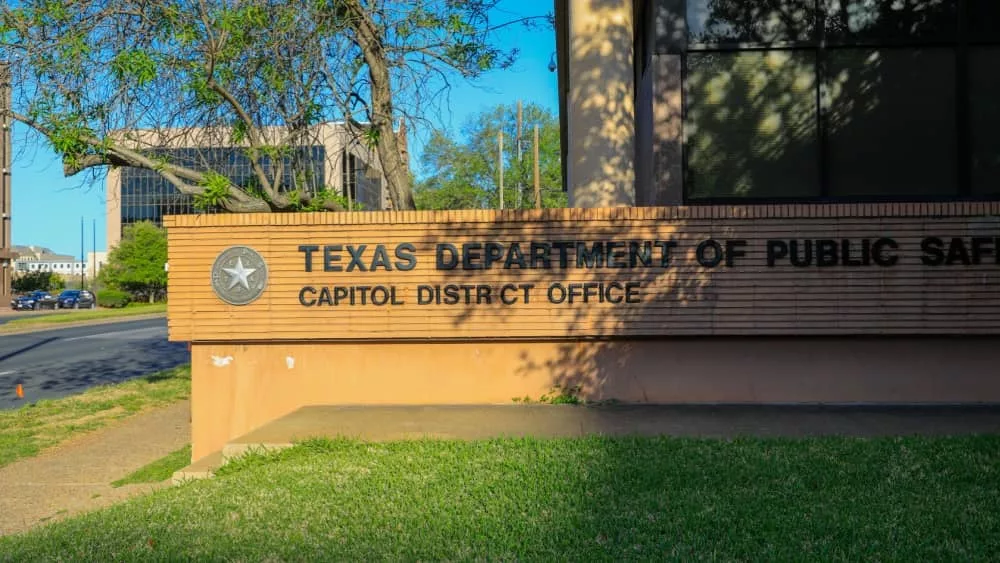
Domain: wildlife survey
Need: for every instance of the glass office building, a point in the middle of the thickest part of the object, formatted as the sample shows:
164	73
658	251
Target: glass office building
147	196
333	161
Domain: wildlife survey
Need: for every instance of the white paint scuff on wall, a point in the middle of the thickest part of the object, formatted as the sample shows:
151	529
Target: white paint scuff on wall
221	362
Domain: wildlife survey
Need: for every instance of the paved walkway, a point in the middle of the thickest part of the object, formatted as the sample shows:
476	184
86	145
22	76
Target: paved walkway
76	477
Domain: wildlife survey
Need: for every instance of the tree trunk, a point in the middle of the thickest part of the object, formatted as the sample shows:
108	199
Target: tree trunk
395	170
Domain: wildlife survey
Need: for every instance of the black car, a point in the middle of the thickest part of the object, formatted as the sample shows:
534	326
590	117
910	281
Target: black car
77	299
33	301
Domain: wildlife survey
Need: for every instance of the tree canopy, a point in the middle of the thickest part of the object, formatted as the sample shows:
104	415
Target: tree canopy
258	74
136	265
465	173
38	281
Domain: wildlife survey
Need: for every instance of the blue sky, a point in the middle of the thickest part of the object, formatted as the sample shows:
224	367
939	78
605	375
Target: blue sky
47	207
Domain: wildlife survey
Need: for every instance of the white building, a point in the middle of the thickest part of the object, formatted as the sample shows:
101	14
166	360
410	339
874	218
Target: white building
39	259
95	261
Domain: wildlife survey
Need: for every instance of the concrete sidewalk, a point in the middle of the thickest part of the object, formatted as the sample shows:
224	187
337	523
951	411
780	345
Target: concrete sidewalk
76	476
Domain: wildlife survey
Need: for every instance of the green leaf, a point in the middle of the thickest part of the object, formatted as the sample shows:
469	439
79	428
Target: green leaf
134	65
239	133
136	264
463	169
216	191
371	136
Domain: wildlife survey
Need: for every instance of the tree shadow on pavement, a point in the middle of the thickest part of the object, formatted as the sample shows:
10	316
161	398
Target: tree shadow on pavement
137	359
28	348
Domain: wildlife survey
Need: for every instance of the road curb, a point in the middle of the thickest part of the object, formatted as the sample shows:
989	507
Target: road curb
94	322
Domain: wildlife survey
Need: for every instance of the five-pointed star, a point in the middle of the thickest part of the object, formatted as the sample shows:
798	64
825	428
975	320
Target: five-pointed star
239	274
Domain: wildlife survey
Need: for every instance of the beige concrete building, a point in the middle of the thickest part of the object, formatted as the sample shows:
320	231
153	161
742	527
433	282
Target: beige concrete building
818	124
665	102
789	202
328	157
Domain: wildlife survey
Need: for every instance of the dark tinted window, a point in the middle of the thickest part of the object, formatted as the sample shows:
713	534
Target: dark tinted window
751	124
751	21
984	116
852	99
881	22
891	122
984	20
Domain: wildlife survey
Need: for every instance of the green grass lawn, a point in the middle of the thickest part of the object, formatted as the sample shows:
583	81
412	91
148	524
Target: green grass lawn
595	499
28	430
81	316
160	470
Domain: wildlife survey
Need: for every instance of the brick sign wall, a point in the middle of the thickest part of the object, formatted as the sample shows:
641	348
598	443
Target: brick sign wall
713	270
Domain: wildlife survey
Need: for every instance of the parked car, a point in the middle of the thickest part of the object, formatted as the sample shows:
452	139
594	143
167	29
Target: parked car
77	299
33	301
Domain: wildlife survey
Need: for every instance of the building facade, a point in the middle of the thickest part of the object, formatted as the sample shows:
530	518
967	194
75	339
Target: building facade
788	202
803	133
38	259
668	102
329	158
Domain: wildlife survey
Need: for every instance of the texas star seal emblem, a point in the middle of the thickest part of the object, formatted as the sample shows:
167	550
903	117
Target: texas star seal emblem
239	275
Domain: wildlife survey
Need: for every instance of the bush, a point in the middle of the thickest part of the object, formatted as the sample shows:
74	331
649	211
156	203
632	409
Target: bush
38	281
136	264
112	298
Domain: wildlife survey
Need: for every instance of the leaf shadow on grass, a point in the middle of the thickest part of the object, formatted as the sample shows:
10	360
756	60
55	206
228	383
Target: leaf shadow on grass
744	492
589	499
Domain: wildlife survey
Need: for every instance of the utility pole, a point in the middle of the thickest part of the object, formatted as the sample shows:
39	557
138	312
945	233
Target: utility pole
538	185
6	246
83	271
500	163
93	259
517	197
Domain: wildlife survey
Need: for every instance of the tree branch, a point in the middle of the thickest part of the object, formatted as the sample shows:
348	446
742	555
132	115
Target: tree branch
255	144
72	167
240	200
369	40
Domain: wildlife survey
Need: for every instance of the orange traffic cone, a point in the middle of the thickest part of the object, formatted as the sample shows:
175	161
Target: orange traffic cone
19	391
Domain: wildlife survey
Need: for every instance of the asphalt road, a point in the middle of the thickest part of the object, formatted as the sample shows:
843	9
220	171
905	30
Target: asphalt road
61	362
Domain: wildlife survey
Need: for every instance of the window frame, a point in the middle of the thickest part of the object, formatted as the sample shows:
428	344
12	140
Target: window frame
961	45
